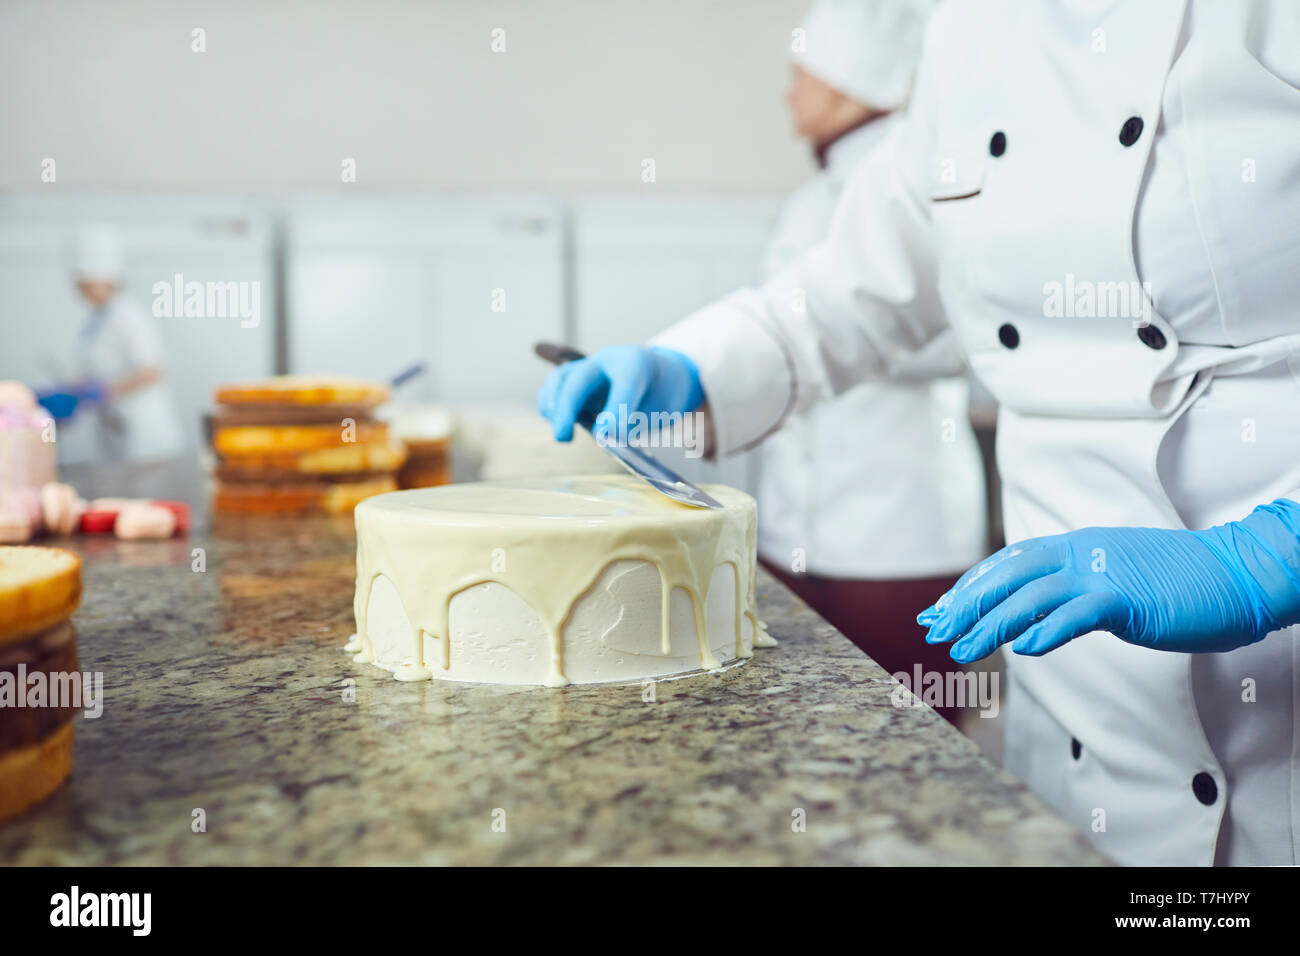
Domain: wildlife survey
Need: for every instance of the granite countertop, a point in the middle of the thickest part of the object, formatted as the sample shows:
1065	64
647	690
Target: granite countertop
227	692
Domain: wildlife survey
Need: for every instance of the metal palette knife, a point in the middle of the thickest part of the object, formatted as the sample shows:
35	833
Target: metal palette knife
655	473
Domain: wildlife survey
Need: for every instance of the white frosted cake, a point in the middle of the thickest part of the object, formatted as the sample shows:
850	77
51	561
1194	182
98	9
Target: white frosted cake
553	581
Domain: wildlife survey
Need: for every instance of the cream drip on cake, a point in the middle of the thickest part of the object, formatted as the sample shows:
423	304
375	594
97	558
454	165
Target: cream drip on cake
552	581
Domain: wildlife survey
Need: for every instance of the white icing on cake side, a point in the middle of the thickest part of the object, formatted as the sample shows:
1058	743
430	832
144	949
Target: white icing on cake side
27	459
552	581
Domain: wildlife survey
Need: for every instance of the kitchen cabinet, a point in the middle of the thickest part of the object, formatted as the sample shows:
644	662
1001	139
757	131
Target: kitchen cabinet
467	286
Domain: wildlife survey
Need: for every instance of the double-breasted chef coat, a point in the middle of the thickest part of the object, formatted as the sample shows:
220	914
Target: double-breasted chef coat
892	464
1054	155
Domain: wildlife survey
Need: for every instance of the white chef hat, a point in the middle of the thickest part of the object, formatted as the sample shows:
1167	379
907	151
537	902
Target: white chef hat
866	49
97	252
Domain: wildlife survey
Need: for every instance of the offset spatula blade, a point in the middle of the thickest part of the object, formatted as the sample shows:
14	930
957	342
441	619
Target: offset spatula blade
663	478
649	469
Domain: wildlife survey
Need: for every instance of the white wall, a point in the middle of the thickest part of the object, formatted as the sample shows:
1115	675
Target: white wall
465	285
412	91
640	262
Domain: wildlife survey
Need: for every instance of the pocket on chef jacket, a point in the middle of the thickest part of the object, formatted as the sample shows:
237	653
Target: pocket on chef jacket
958	207
957	174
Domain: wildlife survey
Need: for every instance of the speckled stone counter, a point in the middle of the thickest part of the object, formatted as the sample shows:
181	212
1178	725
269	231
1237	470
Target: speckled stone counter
227	692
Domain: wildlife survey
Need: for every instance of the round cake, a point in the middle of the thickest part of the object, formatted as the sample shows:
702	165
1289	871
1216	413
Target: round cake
27	462
553	581
298	444
40	588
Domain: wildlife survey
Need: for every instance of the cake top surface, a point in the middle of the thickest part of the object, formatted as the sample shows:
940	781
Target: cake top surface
39	587
303	390
612	497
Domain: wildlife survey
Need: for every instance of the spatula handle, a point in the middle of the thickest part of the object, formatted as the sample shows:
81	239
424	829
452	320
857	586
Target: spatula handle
557	354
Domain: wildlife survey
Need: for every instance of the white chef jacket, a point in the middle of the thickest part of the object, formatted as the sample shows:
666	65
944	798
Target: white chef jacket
884	481
1087	146
115	341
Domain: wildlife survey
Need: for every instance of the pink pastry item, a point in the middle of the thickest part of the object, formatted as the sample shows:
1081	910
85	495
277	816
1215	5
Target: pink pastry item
61	508
14	526
145	521
178	508
20	515
115	504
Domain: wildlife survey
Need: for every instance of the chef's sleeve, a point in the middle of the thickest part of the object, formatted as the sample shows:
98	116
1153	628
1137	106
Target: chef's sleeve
857	306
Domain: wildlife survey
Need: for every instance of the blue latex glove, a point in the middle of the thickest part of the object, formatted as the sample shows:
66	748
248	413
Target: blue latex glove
91	393
61	405
630	377
1191	591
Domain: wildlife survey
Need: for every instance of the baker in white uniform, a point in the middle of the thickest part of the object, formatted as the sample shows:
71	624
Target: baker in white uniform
909	480
122	397
1101	200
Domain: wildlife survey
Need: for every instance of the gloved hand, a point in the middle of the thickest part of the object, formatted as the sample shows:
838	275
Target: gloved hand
60	405
91	392
629	377
1191	591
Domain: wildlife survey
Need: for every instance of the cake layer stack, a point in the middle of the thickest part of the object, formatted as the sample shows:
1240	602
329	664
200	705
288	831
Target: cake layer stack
426	432
302	444
39	590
